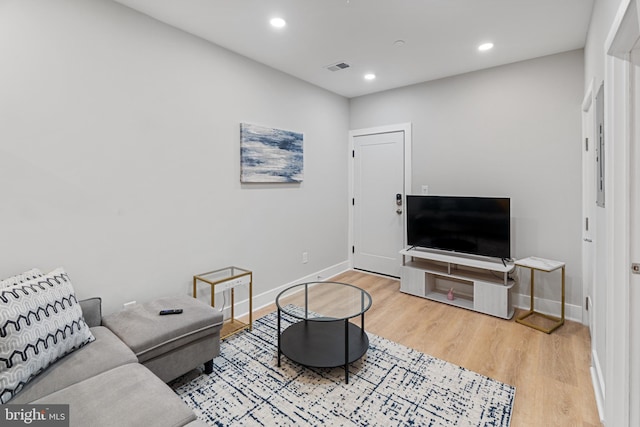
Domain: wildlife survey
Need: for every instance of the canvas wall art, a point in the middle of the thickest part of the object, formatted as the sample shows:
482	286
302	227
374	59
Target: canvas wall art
270	155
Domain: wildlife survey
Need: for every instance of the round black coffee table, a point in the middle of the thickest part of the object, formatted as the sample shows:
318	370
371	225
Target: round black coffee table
323	337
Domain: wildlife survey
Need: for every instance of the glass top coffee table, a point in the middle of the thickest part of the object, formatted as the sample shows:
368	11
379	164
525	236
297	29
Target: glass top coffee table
323	337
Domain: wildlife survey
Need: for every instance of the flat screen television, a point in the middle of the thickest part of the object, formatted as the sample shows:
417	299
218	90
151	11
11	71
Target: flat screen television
471	225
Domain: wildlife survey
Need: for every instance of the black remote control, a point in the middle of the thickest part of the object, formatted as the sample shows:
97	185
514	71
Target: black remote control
172	311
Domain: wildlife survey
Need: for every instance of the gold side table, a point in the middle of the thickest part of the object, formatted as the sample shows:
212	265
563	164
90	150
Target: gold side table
547	266
221	280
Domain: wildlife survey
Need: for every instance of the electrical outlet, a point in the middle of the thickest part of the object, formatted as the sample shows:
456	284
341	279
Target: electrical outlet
425	189
223	286
305	257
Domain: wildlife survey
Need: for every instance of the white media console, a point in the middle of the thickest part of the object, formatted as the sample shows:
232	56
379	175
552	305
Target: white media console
478	284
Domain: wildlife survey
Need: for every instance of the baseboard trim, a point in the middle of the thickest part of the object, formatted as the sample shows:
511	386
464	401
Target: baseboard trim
269	297
552	308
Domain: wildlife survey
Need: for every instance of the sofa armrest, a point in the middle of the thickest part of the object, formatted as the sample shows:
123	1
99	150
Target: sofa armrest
92	311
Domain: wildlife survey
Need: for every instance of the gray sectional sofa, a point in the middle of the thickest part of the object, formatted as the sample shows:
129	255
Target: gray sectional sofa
111	371
104	385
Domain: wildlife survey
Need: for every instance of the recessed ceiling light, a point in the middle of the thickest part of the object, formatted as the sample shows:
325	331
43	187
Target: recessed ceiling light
278	22
369	76
485	46
399	43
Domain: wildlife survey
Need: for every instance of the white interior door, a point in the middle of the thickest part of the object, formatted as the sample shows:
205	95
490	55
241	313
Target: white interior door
594	240
588	203
622	63
599	257
378	201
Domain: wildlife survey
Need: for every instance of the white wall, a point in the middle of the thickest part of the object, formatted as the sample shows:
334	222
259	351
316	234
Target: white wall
119	156
508	131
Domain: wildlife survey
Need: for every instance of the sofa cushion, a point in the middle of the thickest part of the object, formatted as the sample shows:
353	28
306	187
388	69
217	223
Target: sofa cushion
34	273
106	352
40	322
129	395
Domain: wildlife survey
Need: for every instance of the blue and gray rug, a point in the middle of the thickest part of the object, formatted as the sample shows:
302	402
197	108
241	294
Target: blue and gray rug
391	385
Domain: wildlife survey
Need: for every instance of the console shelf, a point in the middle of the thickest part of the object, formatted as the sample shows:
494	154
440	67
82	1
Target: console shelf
478	284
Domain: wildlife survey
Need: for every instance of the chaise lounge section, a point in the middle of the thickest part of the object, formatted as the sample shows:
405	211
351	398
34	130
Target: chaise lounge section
172	345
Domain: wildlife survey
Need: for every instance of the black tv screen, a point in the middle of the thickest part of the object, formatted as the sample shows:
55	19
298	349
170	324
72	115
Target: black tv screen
471	225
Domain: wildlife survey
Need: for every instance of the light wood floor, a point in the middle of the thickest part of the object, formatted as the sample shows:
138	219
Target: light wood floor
550	372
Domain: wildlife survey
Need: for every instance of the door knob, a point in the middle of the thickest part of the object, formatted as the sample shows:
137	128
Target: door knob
399	211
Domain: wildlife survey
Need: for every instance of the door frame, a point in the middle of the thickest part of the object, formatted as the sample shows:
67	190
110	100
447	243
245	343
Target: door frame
401	127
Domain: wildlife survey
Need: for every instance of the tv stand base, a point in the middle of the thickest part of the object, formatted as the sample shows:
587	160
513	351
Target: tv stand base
466	282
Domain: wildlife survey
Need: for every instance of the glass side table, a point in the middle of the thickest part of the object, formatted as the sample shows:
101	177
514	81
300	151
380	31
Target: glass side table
547	266
222	280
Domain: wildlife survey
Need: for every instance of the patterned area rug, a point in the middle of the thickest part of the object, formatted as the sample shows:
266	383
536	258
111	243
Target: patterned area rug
391	385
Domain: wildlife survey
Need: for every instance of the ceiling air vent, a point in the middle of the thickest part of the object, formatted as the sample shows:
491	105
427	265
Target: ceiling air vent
337	67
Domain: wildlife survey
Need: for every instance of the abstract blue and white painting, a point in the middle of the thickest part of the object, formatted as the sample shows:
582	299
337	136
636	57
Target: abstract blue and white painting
270	155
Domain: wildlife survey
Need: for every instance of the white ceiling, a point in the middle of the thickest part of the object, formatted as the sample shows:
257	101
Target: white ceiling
441	36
